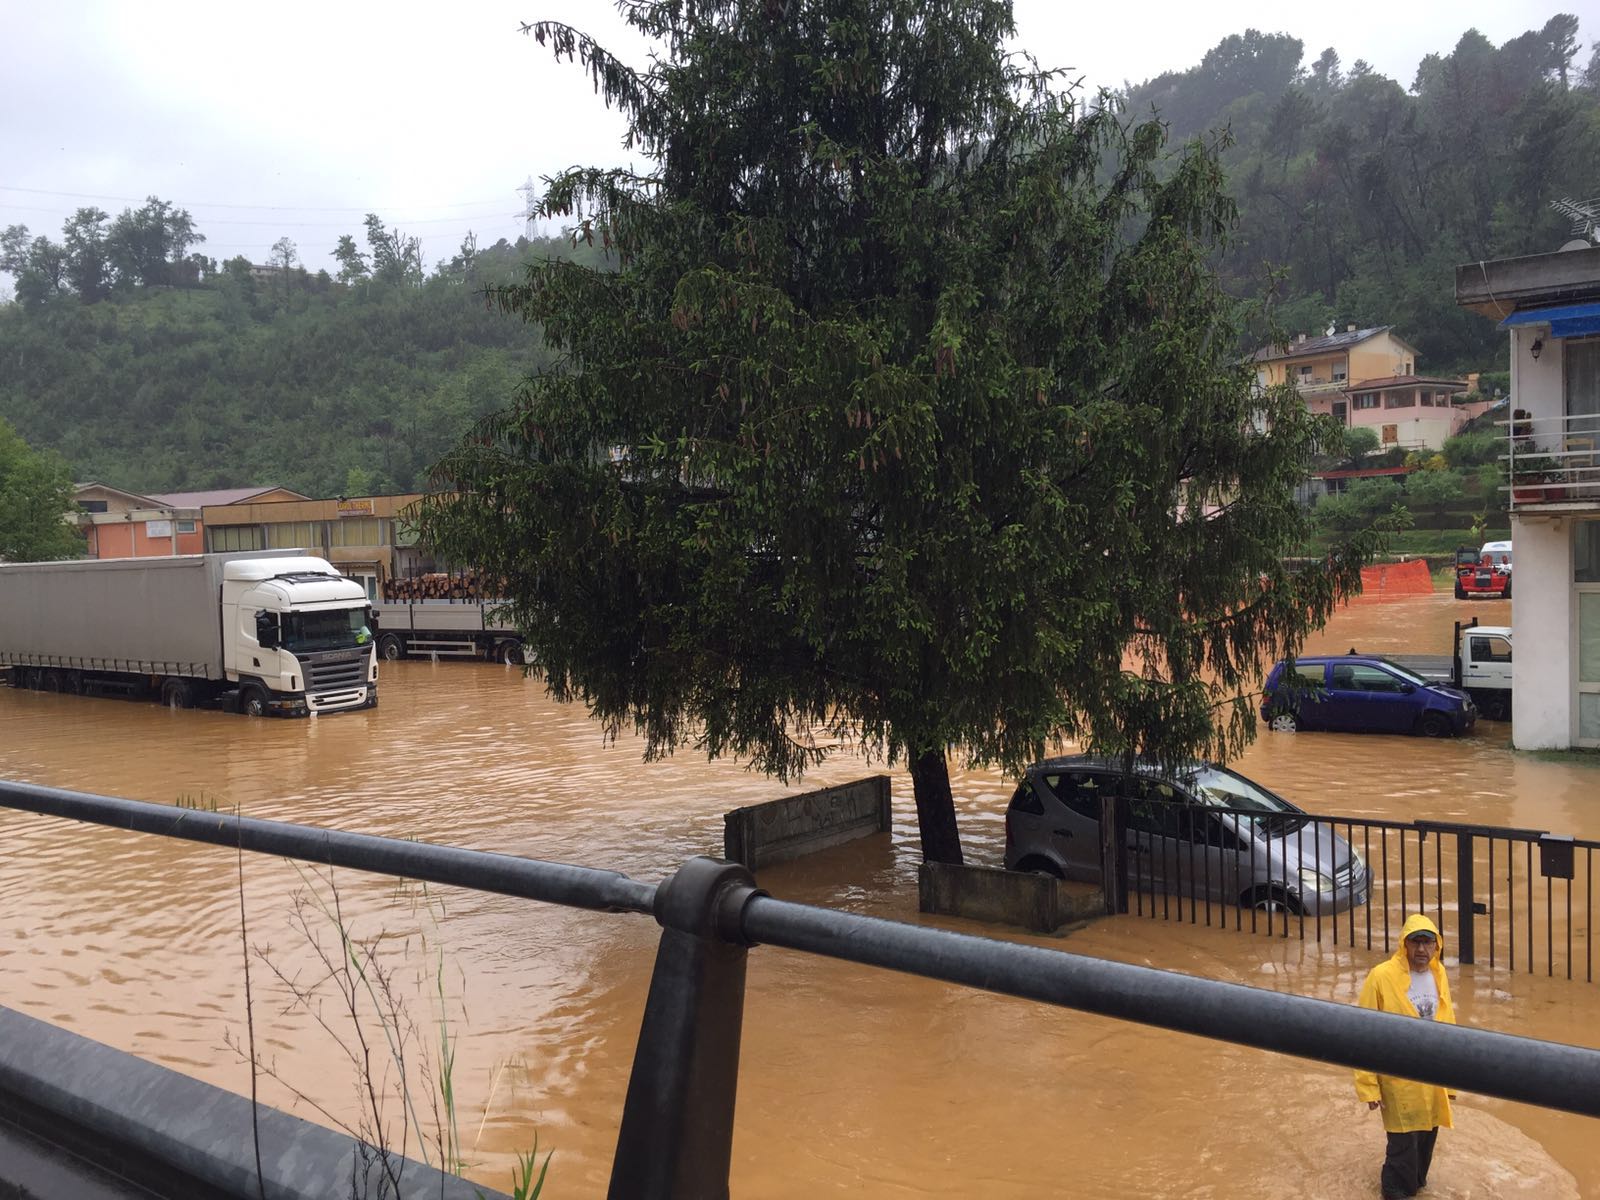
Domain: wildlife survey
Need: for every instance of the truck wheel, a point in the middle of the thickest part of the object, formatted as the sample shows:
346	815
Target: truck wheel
509	653
253	700
1508	589
391	646
1435	725
1461	592
176	693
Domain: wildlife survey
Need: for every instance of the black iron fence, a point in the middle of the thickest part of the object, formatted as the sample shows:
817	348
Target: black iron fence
1515	898
676	1128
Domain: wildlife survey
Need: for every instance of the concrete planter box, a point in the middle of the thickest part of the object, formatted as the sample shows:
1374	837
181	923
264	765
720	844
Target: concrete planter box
1039	903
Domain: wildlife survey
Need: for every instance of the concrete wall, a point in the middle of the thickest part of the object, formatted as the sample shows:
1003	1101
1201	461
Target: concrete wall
174	1135
762	834
1035	901
1536	384
1542	679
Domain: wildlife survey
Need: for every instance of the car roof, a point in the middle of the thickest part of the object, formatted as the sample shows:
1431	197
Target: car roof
1105	762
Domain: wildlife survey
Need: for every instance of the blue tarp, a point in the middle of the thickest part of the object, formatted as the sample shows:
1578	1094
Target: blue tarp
1566	320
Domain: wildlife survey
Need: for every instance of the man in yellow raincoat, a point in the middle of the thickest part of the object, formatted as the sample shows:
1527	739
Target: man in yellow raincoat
1412	982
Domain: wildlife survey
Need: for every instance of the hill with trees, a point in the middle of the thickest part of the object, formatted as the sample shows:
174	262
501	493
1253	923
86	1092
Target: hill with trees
147	364
1366	193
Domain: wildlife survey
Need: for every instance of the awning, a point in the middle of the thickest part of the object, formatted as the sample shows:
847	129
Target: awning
1566	320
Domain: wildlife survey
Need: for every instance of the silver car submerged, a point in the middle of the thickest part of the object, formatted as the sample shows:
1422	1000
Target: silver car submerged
1201	830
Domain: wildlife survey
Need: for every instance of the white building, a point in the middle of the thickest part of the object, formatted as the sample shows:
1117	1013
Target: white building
1550	303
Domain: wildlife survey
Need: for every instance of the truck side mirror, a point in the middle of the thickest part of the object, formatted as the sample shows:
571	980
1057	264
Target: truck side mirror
267	630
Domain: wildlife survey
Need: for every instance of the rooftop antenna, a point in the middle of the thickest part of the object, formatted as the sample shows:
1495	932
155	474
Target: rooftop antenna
1585	218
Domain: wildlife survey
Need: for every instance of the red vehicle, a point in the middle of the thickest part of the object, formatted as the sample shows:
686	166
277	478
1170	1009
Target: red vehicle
1484	574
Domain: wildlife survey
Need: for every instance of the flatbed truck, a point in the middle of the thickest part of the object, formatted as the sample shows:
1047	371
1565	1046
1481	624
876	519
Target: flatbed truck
447	628
1479	666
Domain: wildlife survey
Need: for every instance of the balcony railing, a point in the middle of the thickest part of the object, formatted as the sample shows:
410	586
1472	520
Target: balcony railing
1553	462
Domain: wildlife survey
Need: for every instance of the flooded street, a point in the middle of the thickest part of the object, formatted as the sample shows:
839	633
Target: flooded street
853	1082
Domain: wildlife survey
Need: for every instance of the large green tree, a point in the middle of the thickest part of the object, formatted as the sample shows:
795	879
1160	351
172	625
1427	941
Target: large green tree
35	496
912	412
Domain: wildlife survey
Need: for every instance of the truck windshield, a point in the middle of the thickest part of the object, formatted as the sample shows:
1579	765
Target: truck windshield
332	629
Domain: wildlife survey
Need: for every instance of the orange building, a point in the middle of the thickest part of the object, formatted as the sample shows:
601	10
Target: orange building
119	524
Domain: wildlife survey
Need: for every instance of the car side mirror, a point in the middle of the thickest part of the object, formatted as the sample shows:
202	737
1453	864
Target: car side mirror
1406	689
267	630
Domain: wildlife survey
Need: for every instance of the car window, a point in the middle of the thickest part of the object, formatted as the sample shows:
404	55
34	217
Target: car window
1307	675
1491	649
1026	799
1220	788
1078	790
1354	677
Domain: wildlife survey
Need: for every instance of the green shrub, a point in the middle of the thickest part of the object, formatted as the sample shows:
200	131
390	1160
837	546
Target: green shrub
1473	449
1435	487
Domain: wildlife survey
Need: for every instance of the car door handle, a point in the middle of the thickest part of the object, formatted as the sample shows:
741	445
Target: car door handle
1061	833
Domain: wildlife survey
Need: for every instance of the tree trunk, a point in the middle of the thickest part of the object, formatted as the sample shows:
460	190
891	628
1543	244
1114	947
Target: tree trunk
936	808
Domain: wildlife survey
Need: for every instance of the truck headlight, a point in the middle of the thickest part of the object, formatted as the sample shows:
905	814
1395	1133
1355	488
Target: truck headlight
1314	881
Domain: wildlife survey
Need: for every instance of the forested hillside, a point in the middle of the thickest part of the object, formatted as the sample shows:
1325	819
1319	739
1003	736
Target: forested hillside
296	380
1367	192
151	367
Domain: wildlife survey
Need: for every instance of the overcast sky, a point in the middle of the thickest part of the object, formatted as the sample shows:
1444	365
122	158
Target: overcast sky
296	118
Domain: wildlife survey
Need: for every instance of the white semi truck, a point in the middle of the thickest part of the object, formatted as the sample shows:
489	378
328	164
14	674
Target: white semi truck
447	628
269	632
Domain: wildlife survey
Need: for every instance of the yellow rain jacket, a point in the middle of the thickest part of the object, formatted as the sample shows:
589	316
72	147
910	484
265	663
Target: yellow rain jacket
1407	1107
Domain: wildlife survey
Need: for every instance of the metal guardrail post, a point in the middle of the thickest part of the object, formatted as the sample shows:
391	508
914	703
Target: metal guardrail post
1114	850
676	1139
1465	899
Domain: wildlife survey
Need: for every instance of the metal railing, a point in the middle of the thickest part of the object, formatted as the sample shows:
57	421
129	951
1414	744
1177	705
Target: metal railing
1518	898
1552	460
676	1127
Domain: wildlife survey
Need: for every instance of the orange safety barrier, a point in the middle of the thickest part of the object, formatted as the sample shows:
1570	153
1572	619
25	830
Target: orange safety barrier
1397	579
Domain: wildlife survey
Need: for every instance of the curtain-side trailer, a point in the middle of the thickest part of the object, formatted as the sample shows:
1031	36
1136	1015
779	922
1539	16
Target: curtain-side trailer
273	633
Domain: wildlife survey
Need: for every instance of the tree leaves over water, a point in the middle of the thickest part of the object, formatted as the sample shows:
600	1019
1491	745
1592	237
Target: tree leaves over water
913	415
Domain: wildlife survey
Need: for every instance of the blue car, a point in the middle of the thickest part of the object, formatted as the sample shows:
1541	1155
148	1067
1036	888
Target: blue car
1358	693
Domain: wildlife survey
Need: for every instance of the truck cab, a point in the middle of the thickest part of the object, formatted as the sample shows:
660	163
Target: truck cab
1485	573
297	636
1483	667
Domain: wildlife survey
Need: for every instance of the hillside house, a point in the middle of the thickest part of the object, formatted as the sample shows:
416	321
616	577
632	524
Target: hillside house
123	524
1367	377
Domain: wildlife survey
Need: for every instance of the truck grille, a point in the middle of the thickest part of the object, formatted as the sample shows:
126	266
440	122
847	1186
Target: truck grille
326	676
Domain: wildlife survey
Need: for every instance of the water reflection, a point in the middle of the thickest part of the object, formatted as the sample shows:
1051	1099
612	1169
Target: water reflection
853	1081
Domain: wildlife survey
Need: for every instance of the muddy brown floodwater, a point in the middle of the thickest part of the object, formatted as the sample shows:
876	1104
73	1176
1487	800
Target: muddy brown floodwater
853	1082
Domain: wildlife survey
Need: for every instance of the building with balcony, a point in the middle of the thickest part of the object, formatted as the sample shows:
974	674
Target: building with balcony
122	524
1550	305
1366	377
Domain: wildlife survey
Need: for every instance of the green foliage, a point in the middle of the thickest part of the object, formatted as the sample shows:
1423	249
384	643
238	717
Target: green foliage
1434	487
1363	502
35	496
1368	192
1359	441
290	381
1474	448
913	412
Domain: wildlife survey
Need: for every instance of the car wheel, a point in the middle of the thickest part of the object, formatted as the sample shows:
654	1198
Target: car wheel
253	700
1271	900
391	646
1284	722
176	693
1436	725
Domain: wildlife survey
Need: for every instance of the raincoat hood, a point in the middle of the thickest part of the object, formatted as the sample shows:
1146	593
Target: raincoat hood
1418	923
